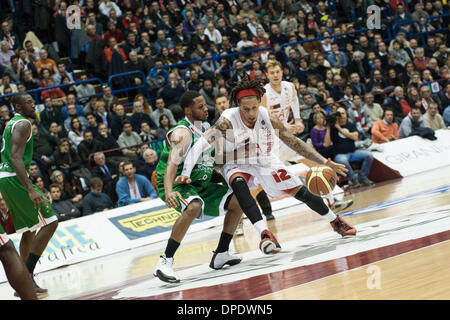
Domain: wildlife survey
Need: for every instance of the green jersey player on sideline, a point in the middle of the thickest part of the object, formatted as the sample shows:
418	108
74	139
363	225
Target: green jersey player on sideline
27	205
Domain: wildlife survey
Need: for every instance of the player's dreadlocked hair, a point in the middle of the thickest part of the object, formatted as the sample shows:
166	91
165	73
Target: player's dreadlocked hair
256	85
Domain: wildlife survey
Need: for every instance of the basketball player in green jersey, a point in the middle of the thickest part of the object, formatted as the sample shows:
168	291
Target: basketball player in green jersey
200	196
26	203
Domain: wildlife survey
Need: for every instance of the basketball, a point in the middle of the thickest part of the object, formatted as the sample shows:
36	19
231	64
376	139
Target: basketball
321	180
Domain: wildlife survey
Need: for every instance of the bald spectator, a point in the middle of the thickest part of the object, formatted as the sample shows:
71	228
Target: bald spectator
45	62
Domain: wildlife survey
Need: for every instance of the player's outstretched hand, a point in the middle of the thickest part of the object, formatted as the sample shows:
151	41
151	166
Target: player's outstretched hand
183	179
339	168
172	199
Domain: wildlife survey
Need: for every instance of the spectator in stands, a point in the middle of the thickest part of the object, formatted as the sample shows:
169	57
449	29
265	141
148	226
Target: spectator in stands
84	90
72	113
64	209
112	47
318	133
56	130
190	23
28	80
43	147
171	94
92	124
194	82
106	6
14	70
138	116
427	98
107	171
38	181
61	72
76	131
68	191
373	110
432	118
336	57
66	158
71	100
128	138
7	34
114	32
6	83
386	129
50	114
210	93
58	97
343	136
421	61
164	127
133	188
358	117
399	104
117	119
446	116
45	62
162	42
159	110
413	121
96	200
5	53
87	146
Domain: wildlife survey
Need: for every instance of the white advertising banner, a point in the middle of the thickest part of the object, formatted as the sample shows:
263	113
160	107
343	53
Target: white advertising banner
415	154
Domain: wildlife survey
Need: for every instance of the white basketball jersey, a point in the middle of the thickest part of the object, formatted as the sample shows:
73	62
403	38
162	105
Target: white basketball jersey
279	104
262	136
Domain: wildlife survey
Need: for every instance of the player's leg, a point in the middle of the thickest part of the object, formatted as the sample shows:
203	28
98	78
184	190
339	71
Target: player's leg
25	244
264	203
164	268
16	272
318	205
238	182
221	255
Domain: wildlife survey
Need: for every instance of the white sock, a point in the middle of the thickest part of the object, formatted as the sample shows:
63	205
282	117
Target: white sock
260	226
330	216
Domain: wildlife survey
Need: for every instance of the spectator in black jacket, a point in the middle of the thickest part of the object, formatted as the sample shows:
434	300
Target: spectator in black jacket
64	209
139	116
108	172
117	119
88	146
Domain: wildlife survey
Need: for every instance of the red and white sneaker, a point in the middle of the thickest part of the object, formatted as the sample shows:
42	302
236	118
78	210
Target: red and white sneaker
342	227
268	244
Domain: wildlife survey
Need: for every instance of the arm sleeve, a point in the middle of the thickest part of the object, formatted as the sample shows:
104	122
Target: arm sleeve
295	105
193	154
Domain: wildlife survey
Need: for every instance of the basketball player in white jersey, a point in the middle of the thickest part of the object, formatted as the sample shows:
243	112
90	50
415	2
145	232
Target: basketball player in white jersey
251	124
280	99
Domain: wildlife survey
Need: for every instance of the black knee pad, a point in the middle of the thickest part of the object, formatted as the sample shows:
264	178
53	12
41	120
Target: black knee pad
314	202
245	199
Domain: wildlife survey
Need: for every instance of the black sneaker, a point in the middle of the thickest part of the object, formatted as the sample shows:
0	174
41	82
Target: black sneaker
365	182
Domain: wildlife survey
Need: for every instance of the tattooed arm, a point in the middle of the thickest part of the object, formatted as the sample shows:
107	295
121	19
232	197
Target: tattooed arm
303	148
222	128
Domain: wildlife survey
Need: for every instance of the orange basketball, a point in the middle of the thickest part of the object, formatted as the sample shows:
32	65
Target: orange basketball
321	180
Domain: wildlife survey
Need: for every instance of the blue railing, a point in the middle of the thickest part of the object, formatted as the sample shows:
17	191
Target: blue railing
127	89
427	32
410	34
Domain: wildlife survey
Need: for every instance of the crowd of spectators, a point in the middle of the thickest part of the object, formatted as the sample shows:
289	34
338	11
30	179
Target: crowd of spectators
386	88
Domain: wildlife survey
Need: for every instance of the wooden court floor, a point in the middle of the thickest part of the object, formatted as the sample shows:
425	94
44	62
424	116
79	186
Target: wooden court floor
399	267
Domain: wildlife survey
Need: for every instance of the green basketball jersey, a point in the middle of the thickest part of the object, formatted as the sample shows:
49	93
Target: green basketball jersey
205	164
6	146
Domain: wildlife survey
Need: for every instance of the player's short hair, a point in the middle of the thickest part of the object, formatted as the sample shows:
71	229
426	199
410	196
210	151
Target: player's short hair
187	99
18	98
273	64
220	95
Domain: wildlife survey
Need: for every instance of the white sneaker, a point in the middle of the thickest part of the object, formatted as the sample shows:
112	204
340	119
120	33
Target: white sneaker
164	270
222	258
240	228
375	147
339	205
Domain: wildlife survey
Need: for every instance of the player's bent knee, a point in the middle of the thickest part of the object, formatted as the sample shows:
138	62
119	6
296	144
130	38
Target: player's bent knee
193	209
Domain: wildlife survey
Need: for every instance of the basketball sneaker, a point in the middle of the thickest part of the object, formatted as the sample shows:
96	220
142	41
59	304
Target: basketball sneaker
219	259
268	243
269	216
240	228
339	205
164	270
342	227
